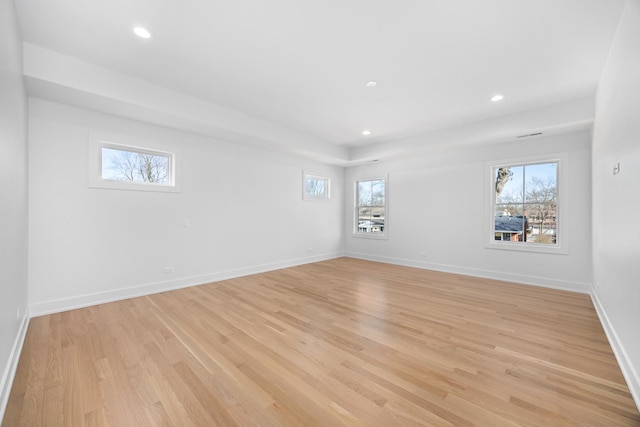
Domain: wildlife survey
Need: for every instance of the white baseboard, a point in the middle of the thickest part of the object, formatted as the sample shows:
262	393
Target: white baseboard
626	366
564	285
71	303
12	365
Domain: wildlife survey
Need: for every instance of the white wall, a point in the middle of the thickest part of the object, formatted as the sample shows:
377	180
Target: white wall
244	207
13	198
437	206
616	198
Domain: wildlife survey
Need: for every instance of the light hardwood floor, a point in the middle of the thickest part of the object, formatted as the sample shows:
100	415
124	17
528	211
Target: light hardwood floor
341	342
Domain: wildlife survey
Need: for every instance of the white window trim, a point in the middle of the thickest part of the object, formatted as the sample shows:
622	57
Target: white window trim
354	230
562	247
306	196
98	140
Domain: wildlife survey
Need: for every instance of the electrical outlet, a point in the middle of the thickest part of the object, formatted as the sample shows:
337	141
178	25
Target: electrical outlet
169	269
423	254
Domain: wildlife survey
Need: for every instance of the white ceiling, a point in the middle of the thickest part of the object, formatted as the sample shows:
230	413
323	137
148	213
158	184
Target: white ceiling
292	73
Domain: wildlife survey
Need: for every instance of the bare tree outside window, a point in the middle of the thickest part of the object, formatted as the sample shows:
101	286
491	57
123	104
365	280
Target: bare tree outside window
541	197
370	209
526	203
316	187
135	166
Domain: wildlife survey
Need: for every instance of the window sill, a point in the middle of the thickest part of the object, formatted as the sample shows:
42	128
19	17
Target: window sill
370	236
528	247
315	199
130	186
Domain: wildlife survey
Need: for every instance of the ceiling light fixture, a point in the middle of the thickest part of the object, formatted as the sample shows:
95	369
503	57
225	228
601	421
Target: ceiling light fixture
497	97
142	32
372	83
366	132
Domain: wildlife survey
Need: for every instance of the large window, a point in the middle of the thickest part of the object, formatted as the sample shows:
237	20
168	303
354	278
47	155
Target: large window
371	207
525	204
116	164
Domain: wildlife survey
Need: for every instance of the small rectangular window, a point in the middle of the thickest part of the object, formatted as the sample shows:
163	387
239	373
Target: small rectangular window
316	187
371	207
121	166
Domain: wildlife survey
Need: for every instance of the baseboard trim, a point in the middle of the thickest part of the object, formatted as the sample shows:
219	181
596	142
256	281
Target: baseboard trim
628	370
564	285
65	304
12	365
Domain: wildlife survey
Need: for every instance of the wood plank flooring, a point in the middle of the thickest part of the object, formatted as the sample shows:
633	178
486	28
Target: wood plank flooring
343	342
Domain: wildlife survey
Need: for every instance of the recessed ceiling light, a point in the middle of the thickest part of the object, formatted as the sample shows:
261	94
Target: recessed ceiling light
142	32
497	97
366	132
372	83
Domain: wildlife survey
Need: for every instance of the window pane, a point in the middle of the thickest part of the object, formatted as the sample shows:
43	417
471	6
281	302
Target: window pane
316	187
370	219
377	190
133	166
543	233
364	214
364	193
508	184
377	215
541	201
540	184
514	226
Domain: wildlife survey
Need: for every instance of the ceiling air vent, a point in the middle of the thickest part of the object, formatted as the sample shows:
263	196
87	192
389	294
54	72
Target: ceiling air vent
527	135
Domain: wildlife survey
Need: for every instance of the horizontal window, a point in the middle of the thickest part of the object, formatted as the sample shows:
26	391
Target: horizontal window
121	166
316	187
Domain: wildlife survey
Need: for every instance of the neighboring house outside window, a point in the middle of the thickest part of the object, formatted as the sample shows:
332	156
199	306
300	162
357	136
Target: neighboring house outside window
371	207
526	205
511	228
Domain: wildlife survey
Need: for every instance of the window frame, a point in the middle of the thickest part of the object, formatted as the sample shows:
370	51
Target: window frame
383	235
306	196
99	141
562	211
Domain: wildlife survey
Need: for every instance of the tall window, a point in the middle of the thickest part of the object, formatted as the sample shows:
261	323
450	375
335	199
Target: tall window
526	209
370	206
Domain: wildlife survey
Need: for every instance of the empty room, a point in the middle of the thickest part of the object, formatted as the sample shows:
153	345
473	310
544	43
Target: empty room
319	213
